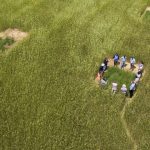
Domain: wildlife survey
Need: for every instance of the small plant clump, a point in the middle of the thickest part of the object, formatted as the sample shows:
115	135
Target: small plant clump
4	43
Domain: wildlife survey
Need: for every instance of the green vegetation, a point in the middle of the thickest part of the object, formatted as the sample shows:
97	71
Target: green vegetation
115	74
48	97
5	42
147	16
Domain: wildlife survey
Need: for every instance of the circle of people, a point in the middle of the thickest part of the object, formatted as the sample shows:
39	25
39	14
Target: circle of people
116	60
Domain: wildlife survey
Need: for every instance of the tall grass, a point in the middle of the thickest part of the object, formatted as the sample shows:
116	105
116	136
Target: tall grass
48	98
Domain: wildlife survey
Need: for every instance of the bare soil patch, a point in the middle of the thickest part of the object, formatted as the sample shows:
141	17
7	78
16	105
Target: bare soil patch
15	34
126	68
148	8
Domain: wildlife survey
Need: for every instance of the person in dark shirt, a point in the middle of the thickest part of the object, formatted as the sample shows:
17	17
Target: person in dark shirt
141	66
137	77
132	88
106	63
139	74
101	70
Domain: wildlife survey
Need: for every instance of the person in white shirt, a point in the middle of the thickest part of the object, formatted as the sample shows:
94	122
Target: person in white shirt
140	66
114	87
123	62
132	62
103	81
138	76
124	89
137	80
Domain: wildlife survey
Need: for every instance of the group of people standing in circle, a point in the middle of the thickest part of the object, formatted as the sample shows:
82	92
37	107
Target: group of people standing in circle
122	61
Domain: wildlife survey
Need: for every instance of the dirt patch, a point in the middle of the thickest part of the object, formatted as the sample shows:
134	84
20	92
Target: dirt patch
148	8
15	34
126	68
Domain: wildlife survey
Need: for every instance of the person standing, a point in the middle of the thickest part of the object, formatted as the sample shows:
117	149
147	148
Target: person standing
132	63
123	61
141	66
114	87
124	89
103	81
101	70
106	63
116	59
132	89
138	76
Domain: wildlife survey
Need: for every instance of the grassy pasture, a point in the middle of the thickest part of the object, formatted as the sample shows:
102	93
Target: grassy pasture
48	98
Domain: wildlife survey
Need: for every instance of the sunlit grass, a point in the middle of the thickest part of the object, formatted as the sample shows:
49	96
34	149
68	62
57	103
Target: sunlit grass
48	99
119	76
147	16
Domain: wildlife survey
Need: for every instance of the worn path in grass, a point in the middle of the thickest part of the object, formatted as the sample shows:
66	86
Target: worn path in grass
125	125
128	102
47	100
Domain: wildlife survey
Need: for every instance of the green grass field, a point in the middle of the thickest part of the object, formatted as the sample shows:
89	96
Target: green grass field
120	76
5	42
48	98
